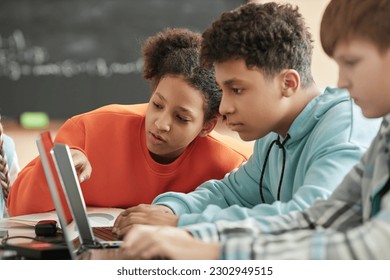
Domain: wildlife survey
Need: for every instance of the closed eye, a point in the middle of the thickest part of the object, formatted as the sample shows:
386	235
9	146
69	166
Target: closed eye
350	62
182	119
157	105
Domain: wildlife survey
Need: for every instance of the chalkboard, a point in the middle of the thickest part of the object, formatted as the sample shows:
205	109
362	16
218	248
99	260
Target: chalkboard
71	56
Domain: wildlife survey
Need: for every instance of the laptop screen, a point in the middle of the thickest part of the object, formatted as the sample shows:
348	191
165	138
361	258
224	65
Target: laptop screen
45	145
68	177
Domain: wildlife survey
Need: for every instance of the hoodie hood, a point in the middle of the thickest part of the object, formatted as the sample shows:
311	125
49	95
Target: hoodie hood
313	112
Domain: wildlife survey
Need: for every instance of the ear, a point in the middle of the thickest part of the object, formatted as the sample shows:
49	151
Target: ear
291	82
208	127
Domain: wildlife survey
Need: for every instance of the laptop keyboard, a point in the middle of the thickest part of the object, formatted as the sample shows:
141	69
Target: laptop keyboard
105	233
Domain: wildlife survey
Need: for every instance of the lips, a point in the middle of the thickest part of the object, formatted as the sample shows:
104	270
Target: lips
156	139
234	126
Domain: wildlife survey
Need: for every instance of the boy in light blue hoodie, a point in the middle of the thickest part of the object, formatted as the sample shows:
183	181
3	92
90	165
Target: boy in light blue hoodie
306	139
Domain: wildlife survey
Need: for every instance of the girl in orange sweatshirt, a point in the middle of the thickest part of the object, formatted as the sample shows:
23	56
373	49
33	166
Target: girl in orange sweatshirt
126	155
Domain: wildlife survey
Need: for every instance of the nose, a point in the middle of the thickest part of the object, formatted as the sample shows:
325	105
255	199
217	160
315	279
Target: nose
226	106
343	81
163	122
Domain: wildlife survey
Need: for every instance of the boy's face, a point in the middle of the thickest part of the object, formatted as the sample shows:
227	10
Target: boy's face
252	104
365	72
174	118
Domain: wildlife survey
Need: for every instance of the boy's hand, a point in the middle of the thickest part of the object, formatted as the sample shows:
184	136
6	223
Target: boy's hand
144	214
82	165
151	242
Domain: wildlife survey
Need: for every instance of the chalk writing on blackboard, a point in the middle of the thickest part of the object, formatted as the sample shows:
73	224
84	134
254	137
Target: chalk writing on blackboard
17	59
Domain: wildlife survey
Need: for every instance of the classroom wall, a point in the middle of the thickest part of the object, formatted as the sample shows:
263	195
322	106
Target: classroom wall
324	69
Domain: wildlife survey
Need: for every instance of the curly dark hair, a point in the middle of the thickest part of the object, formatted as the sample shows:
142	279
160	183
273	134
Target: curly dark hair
269	36
176	52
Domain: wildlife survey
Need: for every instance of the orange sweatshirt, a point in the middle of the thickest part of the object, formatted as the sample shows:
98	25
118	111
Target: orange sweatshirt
123	172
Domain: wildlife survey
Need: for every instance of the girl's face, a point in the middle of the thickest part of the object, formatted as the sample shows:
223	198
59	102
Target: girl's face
174	118
364	71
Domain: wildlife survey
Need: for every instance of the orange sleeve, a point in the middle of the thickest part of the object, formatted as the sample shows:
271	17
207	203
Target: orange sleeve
30	192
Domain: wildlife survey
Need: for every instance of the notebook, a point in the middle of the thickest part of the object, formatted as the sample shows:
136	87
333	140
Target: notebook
68	205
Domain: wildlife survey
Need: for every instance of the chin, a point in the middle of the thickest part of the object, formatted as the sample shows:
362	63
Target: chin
246	137
372	114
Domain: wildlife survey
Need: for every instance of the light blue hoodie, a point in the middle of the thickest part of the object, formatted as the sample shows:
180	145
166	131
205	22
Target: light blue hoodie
325	141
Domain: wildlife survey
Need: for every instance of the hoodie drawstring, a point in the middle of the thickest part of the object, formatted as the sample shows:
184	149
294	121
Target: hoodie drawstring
281	146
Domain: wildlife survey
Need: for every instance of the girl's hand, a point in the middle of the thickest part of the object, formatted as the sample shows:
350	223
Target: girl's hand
82	165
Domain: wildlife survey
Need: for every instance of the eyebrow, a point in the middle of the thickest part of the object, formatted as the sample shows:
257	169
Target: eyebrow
182	109
160	96
231	81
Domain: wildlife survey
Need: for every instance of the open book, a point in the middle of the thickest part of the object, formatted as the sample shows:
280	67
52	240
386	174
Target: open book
98	217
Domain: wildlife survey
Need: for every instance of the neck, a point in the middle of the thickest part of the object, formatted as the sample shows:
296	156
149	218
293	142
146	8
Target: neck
296	104
161	159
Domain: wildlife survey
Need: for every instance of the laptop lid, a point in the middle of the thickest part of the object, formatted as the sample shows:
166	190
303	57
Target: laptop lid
45	144
71	186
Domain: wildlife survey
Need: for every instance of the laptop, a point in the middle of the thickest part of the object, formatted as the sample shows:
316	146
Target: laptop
66	210
45	144
71	186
